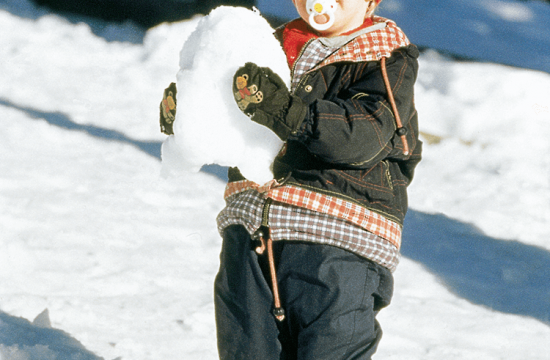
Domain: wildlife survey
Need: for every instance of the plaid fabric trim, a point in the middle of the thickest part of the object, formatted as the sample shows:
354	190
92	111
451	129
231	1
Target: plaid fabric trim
236	187
314	53
339	208
329	205
291	223
245	209
371	46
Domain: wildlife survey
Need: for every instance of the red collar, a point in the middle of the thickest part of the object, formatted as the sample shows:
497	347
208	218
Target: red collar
297	33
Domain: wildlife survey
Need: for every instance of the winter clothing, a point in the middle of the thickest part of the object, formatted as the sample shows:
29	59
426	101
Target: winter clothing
331	297
262	94
363	182
323	224
348	104
339	184
168	109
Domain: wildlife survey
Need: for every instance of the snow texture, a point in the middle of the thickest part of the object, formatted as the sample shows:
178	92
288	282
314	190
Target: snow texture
209	127
124	259
22	340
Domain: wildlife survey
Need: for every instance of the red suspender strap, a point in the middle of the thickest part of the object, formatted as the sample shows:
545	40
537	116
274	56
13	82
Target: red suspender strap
401	131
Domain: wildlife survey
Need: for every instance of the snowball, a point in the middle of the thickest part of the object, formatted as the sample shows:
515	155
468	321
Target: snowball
209	127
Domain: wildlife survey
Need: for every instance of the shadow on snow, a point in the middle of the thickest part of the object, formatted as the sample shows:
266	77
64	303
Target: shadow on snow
152	148
61	120
507	276
21	339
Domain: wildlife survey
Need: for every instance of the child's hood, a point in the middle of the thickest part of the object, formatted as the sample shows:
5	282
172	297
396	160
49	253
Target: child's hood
368	43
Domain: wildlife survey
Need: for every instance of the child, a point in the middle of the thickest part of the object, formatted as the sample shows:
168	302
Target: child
307	259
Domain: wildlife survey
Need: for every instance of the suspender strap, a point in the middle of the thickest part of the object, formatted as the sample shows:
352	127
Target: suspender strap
401	131
266	242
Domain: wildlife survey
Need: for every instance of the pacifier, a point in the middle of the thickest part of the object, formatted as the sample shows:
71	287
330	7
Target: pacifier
321	7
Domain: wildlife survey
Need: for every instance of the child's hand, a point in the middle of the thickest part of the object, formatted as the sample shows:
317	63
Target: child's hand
168	109
262	95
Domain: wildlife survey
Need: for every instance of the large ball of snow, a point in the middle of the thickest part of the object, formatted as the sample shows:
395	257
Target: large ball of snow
209	127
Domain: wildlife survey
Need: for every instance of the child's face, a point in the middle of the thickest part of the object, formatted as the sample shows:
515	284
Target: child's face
349	15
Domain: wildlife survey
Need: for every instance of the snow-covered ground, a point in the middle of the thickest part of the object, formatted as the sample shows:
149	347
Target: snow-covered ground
124	259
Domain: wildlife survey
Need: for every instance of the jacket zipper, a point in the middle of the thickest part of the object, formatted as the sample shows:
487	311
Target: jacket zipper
388	174
265	213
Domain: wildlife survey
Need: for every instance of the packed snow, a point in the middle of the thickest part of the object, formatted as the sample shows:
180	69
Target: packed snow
209	127
123	259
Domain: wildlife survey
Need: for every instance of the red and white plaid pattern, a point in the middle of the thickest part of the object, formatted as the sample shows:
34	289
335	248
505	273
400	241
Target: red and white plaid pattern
371	46
325	204
291	223
330	205
236	187
304	215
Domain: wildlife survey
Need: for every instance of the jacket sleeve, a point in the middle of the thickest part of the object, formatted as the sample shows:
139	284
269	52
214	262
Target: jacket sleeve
355	125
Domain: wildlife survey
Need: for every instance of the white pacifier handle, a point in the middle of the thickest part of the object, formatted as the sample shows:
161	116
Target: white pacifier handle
321	7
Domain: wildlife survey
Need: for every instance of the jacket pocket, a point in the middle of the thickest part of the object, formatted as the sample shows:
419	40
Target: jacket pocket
375	183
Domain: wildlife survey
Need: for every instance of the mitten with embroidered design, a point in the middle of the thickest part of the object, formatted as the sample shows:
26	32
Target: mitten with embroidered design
262	95
168	109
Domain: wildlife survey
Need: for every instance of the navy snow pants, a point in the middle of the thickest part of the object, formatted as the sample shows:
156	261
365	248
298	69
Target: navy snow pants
331	297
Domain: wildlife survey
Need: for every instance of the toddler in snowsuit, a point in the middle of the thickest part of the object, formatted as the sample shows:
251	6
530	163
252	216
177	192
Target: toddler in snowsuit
307	259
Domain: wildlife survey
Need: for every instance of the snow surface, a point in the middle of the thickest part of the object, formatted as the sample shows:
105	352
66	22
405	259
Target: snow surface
124	259
509	32
209	127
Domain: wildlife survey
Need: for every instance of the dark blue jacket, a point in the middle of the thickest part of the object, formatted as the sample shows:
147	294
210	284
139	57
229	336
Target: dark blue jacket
347	145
